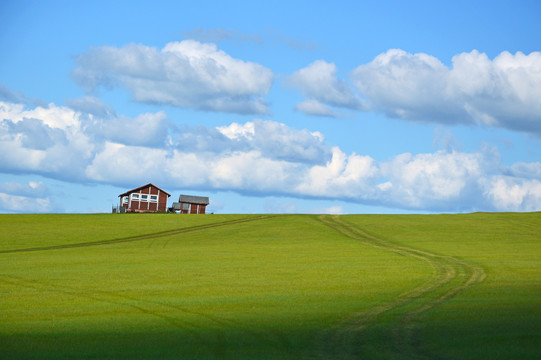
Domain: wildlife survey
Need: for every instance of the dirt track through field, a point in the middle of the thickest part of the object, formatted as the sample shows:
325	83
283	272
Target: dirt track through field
396	321
135	238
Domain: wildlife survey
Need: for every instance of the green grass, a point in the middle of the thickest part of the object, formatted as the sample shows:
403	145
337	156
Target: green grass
499	318
276	287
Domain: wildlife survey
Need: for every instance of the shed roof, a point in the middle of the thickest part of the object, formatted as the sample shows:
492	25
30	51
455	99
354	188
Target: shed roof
194	199
142	187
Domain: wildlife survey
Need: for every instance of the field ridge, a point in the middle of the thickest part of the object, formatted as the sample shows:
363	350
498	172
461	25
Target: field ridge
136	237
450	277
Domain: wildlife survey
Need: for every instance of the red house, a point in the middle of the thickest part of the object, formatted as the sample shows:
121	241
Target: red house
146	198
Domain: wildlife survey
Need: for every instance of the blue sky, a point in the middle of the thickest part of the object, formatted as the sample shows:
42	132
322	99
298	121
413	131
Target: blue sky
331	107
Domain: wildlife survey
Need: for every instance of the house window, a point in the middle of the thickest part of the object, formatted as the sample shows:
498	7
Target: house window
144	197
135	196
153	198
125	200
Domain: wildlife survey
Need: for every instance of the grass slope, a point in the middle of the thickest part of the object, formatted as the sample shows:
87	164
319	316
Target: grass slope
268	287
499	318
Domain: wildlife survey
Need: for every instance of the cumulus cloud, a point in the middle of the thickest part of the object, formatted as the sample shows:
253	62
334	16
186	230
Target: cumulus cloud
512	194
44	140
29	189
24	197
148	129
342	176
318	81
35	134
91	105
186	74
242	171
526	170
475	90
258	157
441	180
270	138
19	97
317	108
502	92
14	203
59	141
277	140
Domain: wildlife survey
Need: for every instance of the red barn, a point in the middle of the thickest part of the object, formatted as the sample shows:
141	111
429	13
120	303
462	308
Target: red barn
146	198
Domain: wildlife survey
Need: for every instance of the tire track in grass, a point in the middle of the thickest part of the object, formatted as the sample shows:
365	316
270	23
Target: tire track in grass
450	276
137	237
42	286
162	310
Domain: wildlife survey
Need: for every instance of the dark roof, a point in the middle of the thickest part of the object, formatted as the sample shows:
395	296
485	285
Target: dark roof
194	199
179	206
141	187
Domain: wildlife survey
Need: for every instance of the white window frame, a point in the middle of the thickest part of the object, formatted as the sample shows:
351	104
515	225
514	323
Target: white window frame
135	196
154	198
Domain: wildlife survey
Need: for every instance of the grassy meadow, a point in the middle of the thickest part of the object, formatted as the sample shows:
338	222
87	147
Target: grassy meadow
270	286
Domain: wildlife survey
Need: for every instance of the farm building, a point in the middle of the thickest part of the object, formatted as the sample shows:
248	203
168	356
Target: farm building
146	198
189	204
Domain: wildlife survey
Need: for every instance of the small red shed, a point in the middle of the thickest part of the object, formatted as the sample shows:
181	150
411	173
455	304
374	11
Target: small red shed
146	198
189	204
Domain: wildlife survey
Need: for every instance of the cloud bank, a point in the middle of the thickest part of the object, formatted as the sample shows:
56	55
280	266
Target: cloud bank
503	92
186	74
475	90
258	157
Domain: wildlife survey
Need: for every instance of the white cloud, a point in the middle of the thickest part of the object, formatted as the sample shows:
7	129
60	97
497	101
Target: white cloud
238	131
56	117
25	197
184	74
118	163
526	170
405	86
503	92
442	179
511	194
316	108
29	189
318	81
60	142
91	105
144	130
14	203
270	138
343	176
277	140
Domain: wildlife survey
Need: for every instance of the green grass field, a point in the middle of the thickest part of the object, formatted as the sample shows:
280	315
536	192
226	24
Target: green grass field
151	286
